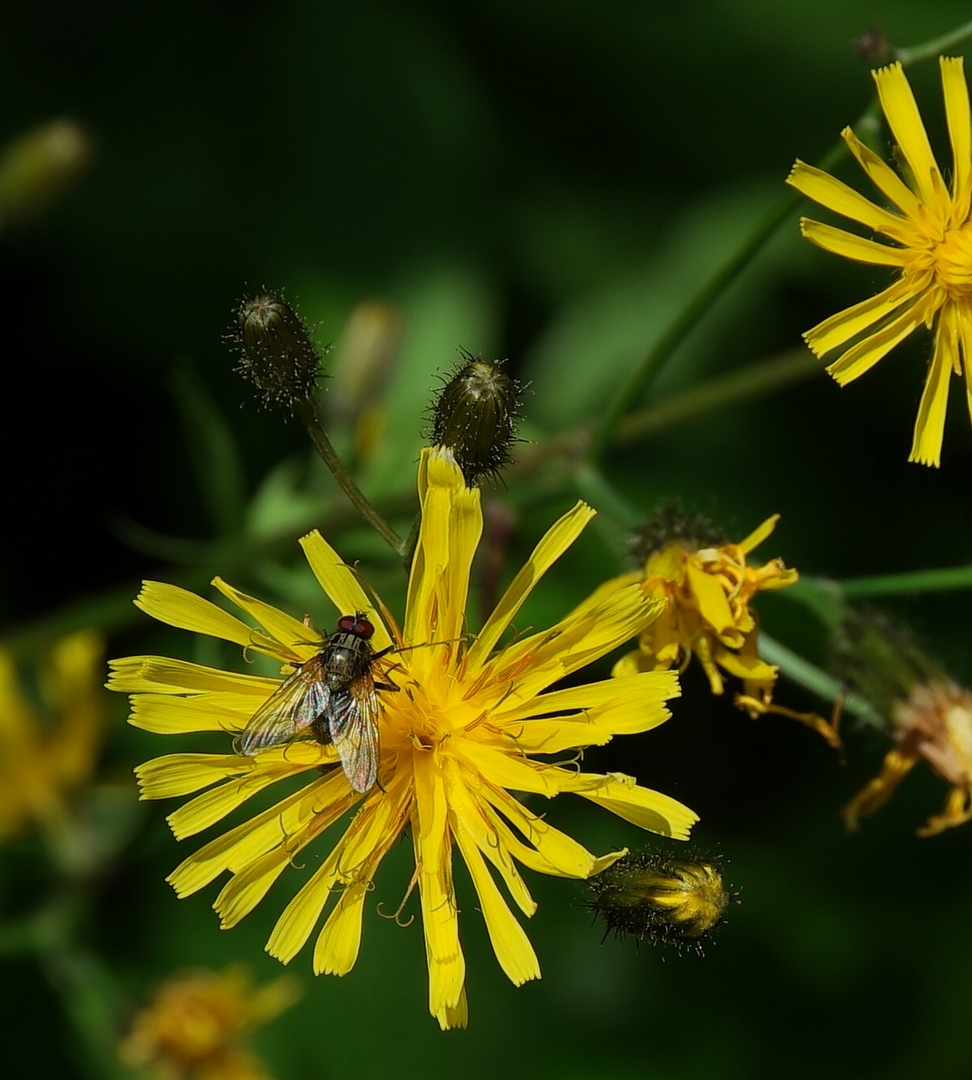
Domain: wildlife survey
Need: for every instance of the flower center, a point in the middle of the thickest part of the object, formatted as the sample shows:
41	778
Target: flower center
953	260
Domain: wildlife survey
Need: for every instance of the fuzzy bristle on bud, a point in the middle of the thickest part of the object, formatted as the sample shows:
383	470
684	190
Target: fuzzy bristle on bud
655	896
475	417
671	524
277	354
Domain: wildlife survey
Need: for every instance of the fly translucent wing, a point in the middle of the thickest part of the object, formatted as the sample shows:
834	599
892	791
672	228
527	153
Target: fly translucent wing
289	711
353	726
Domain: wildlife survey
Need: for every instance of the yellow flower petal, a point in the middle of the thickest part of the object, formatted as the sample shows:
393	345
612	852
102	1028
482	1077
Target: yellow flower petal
884	178
904	120
960	133
178	607
440	919
847	324
339	583
510	943
849	246
159	674
837	196
647	809
452	524
930	425
556	541
167	714
865	354
296	639
711	598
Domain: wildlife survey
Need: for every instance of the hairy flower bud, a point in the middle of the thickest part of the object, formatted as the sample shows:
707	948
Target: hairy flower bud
671	524
475	417
654	896
277	354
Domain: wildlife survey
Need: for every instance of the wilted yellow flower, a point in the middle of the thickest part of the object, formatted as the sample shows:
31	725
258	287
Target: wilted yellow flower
457	737
930	228
707	588
46	757
933	723
196	1026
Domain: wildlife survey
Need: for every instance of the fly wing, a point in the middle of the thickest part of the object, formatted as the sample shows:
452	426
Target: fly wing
289	711
353	724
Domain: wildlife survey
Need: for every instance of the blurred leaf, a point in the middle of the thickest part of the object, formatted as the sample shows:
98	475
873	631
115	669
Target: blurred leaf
212	450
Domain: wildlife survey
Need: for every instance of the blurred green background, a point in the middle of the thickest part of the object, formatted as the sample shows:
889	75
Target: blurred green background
547	182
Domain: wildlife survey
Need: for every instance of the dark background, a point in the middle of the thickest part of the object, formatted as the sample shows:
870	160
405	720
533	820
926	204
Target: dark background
548	182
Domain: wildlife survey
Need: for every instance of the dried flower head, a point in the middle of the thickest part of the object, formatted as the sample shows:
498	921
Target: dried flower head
928	716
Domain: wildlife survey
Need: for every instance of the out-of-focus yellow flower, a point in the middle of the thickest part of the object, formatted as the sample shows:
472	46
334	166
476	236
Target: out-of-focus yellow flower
47	756
196	1026
708	587
929	225
460	735
934	724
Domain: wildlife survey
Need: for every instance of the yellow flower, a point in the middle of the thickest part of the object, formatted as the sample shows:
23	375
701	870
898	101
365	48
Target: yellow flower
196	1025
930	229
707	589
45	760
456	738
933	723
707	592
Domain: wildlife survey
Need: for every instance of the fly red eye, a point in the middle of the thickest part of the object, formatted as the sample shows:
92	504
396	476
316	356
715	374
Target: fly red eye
347	623
363	627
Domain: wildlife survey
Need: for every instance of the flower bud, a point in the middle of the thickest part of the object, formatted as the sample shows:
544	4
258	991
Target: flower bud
277	354
40	167
670	524
475	417
654	896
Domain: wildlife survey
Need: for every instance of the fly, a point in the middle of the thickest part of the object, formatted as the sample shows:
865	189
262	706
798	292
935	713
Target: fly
332	697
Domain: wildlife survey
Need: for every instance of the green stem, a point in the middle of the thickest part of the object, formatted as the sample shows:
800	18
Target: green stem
747	384
817	681
914	581
307	411
931	49
684	322
705	297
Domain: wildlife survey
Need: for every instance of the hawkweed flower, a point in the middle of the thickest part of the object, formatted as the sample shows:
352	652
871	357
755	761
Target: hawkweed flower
929	228
928	717
661	898
461	732
707	586
49	754
197	1025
